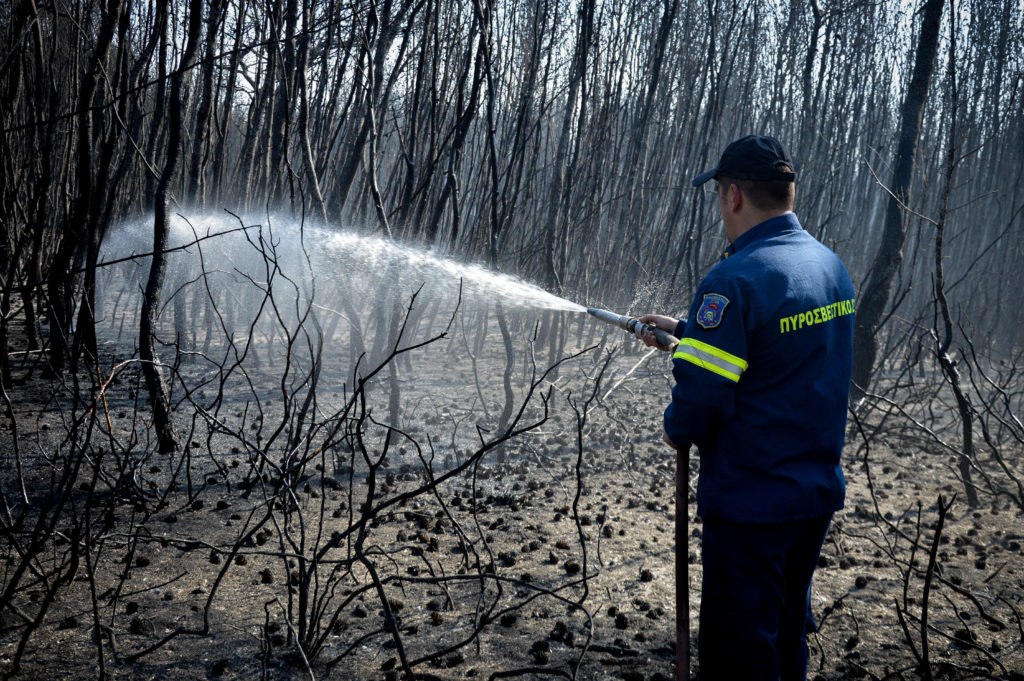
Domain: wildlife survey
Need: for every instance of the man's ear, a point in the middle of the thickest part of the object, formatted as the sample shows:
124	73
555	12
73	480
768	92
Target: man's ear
734	198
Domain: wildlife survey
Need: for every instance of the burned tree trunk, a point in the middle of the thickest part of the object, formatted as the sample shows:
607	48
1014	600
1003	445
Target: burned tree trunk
78	231
158	38
637	159
874	297
217	174
155	384
196	191
307	149
564	169
379	34
944	338
281	125
85	344
466	107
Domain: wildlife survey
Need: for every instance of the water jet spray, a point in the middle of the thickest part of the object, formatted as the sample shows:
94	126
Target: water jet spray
634	326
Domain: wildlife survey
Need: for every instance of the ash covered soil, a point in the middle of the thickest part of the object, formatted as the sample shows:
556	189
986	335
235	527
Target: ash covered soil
543	564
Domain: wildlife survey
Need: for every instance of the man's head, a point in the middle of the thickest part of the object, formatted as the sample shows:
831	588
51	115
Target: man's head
755	178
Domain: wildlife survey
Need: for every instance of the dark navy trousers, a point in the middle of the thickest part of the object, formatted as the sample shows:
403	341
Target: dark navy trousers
755	603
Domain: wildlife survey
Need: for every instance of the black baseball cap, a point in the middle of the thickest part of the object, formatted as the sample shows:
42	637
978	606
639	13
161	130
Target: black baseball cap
754	157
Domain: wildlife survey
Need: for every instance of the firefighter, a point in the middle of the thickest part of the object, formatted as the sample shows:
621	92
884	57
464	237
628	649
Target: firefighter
762	376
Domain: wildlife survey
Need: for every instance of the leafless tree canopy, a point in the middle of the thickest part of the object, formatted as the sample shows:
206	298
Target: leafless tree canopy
550	138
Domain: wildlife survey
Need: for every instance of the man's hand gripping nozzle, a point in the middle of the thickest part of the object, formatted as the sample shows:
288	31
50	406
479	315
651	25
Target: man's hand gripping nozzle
635	327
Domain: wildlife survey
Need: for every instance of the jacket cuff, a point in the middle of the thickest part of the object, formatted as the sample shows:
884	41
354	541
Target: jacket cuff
680	438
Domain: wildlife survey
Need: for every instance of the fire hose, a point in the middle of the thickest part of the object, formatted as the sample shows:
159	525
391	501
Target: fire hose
634	326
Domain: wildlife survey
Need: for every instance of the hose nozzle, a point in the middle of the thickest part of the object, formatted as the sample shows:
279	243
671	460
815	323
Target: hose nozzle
634	326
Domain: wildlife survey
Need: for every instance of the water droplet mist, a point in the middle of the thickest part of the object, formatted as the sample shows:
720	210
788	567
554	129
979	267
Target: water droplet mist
265	301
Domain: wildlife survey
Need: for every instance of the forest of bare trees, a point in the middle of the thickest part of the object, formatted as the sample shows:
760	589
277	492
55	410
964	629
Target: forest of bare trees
547	138
553	140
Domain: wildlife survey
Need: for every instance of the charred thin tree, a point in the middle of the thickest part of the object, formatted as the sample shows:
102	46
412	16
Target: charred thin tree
201	145
524	127
637	161
466	105
564	165
85	343
280	176
225	122
43	177
377	37
876	291
79	236
807	115
157	126
711	74
312	178
151	366
944	335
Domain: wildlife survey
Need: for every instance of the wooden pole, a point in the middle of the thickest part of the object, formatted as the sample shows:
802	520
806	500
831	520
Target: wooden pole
682	566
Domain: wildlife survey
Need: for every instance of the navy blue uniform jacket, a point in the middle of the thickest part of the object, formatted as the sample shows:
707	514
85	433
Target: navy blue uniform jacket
762	377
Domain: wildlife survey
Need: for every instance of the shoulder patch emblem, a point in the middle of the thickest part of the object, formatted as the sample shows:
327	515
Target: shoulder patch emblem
711	309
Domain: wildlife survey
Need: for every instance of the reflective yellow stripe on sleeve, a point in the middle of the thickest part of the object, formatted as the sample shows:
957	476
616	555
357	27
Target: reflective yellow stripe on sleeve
711	358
